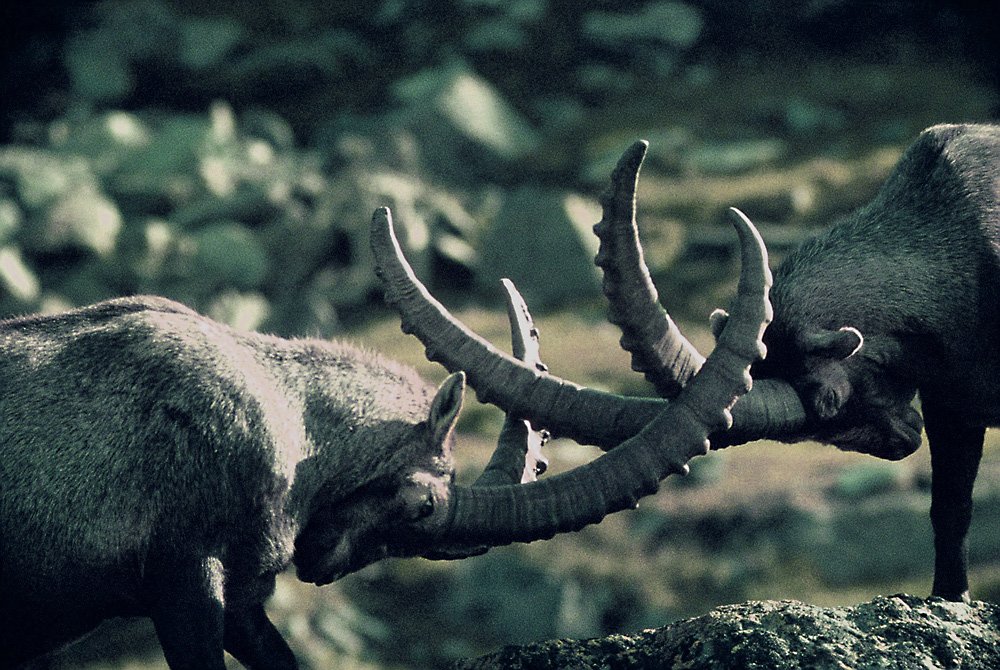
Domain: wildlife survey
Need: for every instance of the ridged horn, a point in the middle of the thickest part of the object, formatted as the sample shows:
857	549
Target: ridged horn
774	410
659	350
618	479
770	410
563	408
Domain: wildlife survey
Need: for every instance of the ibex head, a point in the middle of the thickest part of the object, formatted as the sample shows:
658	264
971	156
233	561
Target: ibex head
391	513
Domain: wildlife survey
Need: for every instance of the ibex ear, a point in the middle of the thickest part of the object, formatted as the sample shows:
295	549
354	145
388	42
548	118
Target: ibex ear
835	344
446	406
717	322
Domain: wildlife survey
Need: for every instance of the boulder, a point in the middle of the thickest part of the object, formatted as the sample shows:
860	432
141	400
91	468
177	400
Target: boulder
542	240
894	632
469	131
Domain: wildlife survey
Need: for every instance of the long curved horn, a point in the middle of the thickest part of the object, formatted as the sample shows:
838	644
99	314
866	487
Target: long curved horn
770	410
773	409
658	348
565	409
618	479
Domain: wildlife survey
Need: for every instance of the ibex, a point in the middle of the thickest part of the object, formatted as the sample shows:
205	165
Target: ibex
901	297
156	463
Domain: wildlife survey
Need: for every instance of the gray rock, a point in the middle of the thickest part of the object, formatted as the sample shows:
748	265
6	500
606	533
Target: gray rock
11	218
228	254
805	117
467	129
16	278
733	157
205	42
672	23
542	240
500	34
897	632
99	61
84	219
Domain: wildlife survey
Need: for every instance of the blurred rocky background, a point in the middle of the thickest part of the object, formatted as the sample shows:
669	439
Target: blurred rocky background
229	155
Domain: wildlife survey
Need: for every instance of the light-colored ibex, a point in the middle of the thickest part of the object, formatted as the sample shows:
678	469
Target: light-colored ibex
154	462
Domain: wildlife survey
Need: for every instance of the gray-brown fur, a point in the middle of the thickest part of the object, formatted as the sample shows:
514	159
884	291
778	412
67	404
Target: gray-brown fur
143	443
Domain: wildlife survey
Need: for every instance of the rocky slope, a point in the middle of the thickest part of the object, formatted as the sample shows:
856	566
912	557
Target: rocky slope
889	632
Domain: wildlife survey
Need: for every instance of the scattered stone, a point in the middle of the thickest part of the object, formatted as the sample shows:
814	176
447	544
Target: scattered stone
243	311
805	117
868	479
501	34
205	42
676	24
228	254
543	241
83	219
732	157
16	278
11	218
469	131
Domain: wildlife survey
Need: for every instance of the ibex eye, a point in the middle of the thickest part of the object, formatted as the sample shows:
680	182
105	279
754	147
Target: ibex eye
418	503
423	509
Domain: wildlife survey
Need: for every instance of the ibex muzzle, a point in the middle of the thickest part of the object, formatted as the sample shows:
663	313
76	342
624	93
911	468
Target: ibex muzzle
154	462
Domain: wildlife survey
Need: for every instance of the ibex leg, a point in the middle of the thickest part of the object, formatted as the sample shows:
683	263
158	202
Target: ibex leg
955	452
185	602
254	641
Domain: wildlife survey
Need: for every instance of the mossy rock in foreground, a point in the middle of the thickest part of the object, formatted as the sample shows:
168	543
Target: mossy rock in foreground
891	633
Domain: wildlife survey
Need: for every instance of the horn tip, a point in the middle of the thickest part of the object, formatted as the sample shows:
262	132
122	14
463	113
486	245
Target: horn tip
636	153
747	231
739	217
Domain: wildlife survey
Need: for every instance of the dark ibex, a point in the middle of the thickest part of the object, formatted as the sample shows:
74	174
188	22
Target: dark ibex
156	463
902	296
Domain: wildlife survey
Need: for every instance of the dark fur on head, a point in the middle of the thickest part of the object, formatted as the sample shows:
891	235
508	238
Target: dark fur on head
910	274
